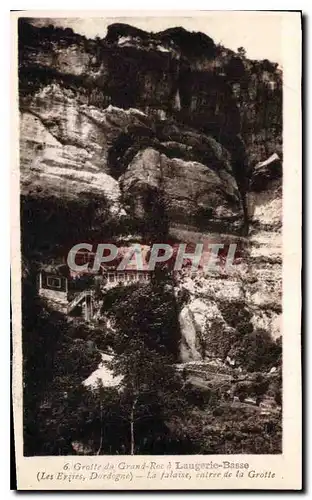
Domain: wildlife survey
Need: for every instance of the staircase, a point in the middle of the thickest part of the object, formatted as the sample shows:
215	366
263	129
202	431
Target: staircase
86	298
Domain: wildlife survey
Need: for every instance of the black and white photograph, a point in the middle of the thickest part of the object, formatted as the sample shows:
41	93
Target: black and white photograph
151	197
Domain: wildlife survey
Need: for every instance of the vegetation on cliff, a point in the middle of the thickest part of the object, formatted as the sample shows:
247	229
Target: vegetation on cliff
203	109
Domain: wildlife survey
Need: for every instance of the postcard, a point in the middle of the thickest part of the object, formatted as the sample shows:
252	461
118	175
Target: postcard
156	250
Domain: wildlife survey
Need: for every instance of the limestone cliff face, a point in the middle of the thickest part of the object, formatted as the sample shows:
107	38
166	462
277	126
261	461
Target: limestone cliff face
254	286
67	148
265	294
64	144
188	187
139	117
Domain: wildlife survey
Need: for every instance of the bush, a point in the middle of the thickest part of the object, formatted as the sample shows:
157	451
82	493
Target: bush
257	351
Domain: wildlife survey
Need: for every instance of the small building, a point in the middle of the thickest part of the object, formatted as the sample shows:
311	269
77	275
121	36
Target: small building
114	278
53	286
58	286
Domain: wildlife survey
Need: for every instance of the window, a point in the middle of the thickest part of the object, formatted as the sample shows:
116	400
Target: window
54	282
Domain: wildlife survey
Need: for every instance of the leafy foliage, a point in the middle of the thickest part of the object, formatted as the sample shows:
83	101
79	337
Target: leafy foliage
257	351
147	312
54	366
254	350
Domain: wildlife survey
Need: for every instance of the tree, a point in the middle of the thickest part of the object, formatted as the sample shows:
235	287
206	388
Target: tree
242	52
146	312
235	69
146	343
54	366
256	351
149	392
